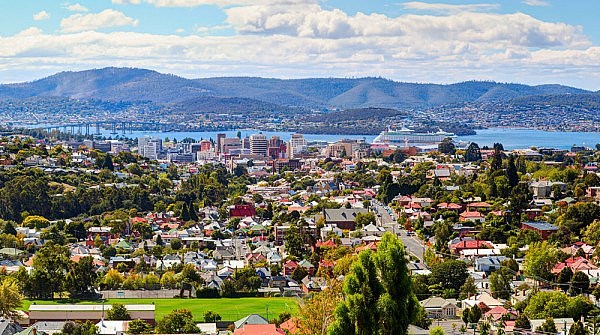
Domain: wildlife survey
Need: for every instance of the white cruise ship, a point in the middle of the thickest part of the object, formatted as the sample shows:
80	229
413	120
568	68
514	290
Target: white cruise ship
408	138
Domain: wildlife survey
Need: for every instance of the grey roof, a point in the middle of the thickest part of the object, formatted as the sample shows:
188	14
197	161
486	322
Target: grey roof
9	328
342	214
252	319
541	225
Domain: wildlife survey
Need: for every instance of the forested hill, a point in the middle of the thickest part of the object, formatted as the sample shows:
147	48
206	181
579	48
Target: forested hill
127	84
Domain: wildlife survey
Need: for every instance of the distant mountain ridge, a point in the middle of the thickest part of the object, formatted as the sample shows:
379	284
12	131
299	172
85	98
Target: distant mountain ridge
132	84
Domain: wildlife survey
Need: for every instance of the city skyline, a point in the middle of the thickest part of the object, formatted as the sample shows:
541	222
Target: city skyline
531	41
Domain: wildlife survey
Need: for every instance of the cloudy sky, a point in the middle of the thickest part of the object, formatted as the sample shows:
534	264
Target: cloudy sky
528	41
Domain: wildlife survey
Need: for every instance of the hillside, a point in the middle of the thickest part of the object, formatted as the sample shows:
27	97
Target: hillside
127	84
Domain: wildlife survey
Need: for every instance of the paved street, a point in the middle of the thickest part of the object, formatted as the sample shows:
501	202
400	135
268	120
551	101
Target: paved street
387	219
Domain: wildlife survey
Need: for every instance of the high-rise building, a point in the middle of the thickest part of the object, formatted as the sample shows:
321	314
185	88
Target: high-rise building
259	145
296	146
205	145
149	147
229	143
220	138
246	142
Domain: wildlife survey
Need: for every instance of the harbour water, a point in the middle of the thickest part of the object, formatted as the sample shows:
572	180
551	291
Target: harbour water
510	138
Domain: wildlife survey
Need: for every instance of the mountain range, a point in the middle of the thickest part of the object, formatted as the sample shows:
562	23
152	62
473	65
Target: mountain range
132	84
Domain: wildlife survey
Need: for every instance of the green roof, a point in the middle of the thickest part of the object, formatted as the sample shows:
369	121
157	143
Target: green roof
123	244
11	251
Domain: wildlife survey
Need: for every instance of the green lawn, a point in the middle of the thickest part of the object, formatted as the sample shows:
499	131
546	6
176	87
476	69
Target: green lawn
230	309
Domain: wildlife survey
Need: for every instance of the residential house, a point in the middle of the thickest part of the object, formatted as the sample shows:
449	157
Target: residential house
343	218
545	229
489	263
439	308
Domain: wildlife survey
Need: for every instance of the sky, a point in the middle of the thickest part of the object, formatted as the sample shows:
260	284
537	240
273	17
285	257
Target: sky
524	41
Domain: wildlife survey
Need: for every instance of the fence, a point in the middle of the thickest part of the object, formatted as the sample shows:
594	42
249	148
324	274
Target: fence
140	294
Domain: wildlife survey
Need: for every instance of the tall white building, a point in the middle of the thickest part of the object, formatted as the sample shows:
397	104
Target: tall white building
259	145
149	147
296	146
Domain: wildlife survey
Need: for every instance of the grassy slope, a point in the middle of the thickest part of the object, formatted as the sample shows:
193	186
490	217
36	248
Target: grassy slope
230	309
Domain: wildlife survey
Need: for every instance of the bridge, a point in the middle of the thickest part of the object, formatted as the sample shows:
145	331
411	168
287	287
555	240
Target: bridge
124	127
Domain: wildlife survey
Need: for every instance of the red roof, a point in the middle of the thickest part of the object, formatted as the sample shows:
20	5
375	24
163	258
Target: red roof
268	329
482	204
470	244
328	243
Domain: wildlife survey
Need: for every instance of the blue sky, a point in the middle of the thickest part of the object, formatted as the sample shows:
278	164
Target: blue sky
529	41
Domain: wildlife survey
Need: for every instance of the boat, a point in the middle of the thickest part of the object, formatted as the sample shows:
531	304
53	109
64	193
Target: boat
408	138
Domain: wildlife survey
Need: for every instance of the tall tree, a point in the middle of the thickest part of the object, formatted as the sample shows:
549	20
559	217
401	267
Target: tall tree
118	312
473	153
511	172
378	297
50	266
539	260
81	276
179	321
10	298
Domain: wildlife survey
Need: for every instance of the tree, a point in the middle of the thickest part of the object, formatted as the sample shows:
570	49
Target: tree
465	316
547	304
294	242
474	314
299	273
179	321
315	315
548	326
564	278
113	279
473	153
176	244
450	274
437	330
447	146
80	328
500	284
467	289
539	260
138	326
580	283
364	219
10	298
9	229
210	316
522	322
50	265
81	276
579	306
118	312
578	329
36	221
377	293
511	172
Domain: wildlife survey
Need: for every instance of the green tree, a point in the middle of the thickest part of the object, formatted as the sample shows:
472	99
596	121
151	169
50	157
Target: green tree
138	326
210	316
522	322
500	284
548	326
437	330
50	265
580	283
578	329
475	314
176	244
10	298
378	297
473	153
364	219
81	276
299	273
539	260
179	321
450	274
545	304
80	328
9	229
467	289
564	278
118	312
36	221
447	146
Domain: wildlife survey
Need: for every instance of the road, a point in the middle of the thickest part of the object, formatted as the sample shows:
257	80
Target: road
387	219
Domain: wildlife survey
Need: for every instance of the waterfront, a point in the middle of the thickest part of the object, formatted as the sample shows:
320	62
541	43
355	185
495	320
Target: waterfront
510	138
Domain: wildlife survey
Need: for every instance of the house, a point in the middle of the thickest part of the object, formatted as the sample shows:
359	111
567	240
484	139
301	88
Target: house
9	328
544	188
289	267
343	218
372	230
545	229
209	328
252	319
242	211
460	245
438	308
499	312
85	312
485	301
106	327
472	216
488	264
575	264
268	329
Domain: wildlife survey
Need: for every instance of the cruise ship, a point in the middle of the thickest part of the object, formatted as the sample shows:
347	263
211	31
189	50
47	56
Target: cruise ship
409	138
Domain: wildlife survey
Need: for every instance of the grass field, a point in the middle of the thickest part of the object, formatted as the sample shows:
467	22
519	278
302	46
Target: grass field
230	309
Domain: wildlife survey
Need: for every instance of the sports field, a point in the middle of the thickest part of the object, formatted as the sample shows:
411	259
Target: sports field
230	309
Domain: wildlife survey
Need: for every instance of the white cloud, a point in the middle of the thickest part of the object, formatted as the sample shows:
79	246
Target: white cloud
121	2
212	29
77	8
43	15
411	31
105	19
448	8
536	3
220	3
